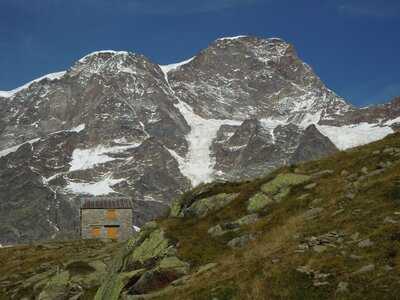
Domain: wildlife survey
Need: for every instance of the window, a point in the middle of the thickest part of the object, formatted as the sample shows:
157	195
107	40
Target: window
111	214
95	231
112	231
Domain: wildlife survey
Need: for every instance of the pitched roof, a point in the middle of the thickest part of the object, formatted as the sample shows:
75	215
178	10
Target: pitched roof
107	203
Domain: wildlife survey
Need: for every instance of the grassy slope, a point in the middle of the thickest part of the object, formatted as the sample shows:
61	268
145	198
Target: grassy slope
267	267
20	263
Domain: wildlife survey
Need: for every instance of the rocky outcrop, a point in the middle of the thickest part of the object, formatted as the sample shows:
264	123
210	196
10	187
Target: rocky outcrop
200	201
258	202
281	185
312	146
147	262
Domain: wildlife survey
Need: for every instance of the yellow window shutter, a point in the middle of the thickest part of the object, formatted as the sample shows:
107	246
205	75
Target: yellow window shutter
95	232
112	232
111	214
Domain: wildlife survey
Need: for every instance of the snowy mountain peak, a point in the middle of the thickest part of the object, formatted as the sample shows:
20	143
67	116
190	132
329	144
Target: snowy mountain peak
232	38
51	77
103	53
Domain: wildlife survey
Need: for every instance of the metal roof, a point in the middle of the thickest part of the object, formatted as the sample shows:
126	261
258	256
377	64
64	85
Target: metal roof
107	203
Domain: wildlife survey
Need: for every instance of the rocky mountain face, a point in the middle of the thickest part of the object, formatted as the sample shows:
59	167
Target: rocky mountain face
117	123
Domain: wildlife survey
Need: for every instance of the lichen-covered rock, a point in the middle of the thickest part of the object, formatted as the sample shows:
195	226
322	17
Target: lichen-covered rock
220	230
57	287
174	264
153	280
203	207
87	275
216	231
284	180
241	241
155	245
281	185
206	268
247	220
175	210
322	174
113	284
38	281
258	202
180	204
229	227
120	281
149	226
140	254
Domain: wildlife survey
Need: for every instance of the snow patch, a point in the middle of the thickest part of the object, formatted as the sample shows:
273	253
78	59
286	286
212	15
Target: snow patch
394	121
350	136
168	68
102	187
102	52
271	124
15	148
310	119
198	165
51	76
83	159
231	38
78	128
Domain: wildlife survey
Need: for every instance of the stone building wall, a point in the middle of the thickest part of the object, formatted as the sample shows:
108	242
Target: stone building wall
98	221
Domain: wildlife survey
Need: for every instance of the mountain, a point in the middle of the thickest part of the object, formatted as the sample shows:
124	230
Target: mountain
324	229
117	123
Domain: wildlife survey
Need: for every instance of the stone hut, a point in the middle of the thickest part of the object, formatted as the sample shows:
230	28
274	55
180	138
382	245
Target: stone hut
106	217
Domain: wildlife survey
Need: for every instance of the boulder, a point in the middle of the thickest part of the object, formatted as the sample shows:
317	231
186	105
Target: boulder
150	226
116	283
206	268
312	213
281	185
176	208
365	243
87	274
365	269
241	241
216	231
153	280
173	264
247	220
154	246
258	202
343	287
57	287
220	230
203	207
322	174
310	186
180	204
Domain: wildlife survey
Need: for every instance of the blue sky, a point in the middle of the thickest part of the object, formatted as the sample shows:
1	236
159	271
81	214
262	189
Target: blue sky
353	45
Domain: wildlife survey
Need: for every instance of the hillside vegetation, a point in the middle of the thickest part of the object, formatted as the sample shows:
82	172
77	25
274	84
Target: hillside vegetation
326	229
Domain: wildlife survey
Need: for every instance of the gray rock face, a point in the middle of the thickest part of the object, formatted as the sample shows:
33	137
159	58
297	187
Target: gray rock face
115	122
312	146
251	78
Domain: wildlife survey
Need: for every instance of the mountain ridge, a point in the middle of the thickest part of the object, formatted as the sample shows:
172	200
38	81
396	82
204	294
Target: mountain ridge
117	123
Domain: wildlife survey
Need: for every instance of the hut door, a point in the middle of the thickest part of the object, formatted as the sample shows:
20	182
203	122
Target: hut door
112	232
